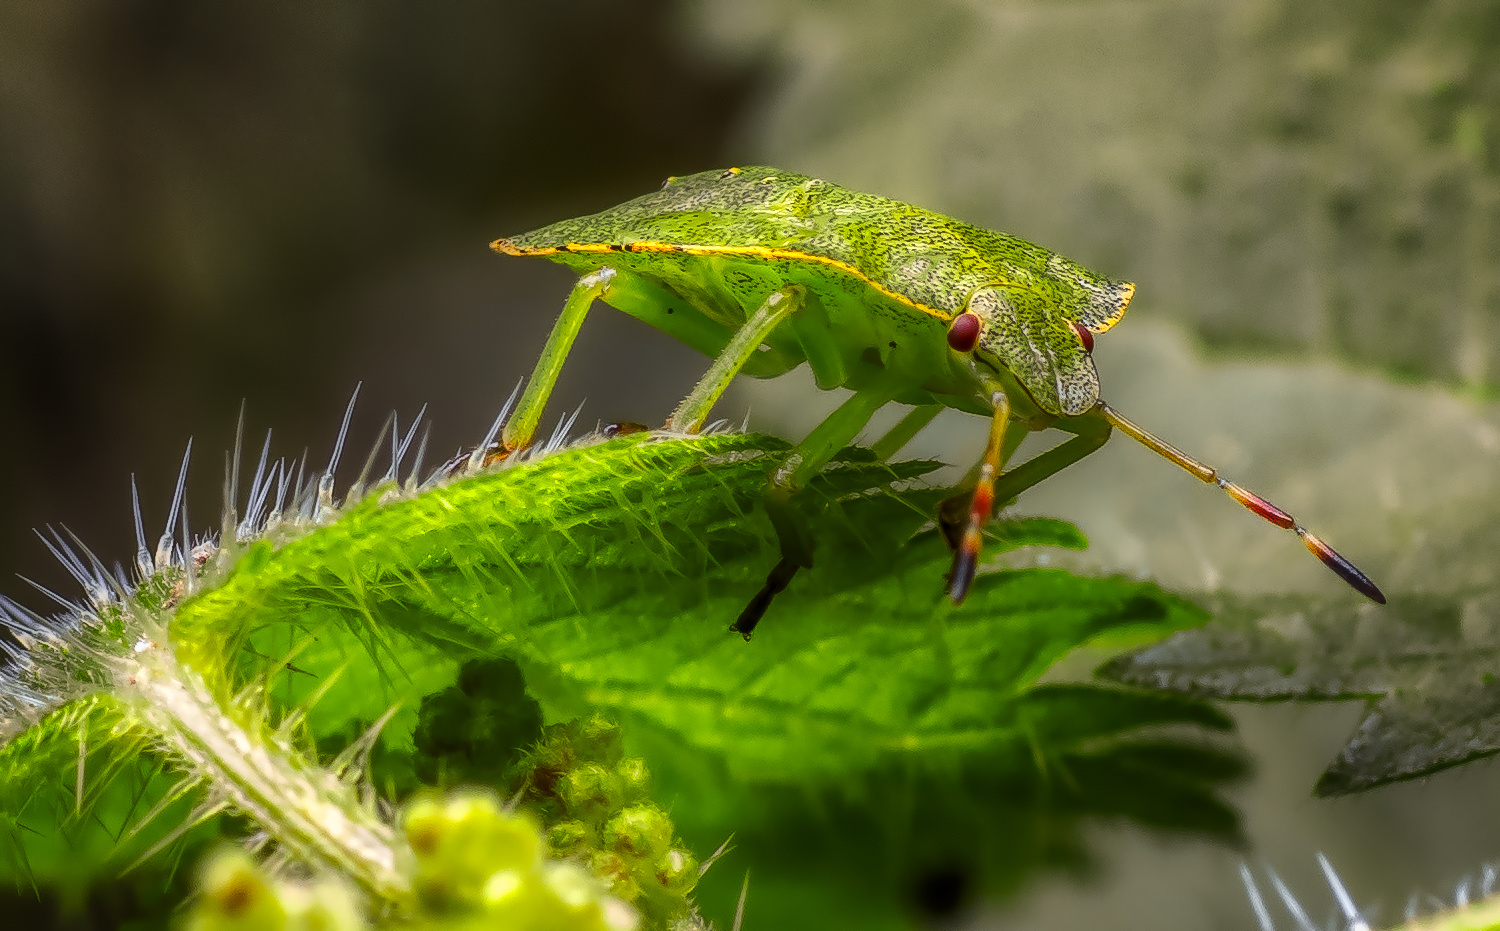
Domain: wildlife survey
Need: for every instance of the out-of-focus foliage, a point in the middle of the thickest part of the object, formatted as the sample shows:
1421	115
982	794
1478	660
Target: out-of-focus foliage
193	197
1277	173
479	865
1425	665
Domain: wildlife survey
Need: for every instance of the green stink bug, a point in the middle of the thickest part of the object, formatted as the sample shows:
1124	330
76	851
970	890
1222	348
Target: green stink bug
763	270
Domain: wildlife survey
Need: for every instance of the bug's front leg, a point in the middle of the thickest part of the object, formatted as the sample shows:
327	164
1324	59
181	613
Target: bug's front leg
966	552
1091	431
521	428
804	462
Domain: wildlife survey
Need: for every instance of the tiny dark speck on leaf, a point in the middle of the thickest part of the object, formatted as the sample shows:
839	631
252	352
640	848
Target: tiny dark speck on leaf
940	892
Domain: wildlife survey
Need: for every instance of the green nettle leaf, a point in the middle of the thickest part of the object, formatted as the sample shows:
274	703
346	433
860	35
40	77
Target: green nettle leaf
1424	664
874	748
75	793
611	574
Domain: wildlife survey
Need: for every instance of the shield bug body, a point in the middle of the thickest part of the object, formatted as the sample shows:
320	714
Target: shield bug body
763	270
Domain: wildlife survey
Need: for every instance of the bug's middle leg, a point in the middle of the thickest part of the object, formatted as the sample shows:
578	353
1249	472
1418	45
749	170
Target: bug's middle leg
746	342
805	462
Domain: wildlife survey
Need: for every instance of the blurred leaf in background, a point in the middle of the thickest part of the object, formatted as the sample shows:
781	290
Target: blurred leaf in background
1425	667
1302	175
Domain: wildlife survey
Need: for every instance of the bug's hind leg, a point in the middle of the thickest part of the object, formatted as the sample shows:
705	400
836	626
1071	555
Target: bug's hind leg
804	462
962	517
690	414
520	430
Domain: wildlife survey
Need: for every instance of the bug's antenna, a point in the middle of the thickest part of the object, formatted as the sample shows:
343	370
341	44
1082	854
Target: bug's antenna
1341	567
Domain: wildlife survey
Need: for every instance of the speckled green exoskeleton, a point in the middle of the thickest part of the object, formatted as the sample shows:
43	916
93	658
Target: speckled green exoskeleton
763	270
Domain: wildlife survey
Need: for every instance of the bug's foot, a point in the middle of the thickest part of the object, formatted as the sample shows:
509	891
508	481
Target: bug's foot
476	459
622	428
776	582
961	576
496	453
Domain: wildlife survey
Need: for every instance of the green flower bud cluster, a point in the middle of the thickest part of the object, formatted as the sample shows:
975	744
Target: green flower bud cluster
483	866
478	866
236	894
578	779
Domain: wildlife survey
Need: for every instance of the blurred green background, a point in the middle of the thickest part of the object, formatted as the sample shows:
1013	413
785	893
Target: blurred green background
207	203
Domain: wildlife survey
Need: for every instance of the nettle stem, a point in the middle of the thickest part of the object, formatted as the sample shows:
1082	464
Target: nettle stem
309	811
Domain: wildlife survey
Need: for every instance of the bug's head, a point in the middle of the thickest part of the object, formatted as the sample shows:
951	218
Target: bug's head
1019	331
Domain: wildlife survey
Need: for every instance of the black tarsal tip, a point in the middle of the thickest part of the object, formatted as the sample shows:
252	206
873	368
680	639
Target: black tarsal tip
962	576
776	582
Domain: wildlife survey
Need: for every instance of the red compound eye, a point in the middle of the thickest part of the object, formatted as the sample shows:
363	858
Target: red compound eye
963	332
1085	337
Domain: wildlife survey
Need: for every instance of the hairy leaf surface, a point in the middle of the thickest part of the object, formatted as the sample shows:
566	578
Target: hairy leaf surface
873	742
